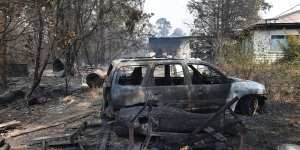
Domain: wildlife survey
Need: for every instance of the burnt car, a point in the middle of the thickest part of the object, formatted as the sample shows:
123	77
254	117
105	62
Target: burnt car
189	84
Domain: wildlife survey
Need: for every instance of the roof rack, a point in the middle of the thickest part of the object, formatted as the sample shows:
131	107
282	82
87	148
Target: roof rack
148	59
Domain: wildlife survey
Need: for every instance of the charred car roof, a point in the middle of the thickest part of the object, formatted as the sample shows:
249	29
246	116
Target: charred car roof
146	61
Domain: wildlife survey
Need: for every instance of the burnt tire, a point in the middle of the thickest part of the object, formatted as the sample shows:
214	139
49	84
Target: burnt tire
121	130
248	105
5	147
2	141
94	80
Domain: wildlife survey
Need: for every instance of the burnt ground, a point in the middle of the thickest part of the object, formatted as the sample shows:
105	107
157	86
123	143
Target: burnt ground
279	125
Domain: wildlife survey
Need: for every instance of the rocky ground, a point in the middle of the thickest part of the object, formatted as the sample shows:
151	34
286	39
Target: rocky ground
62	116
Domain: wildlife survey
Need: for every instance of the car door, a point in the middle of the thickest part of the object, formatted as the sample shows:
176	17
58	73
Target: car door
209	87
168	85
127	89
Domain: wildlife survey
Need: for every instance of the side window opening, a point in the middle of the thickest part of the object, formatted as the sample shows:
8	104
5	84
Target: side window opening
170	74
132	75
201	74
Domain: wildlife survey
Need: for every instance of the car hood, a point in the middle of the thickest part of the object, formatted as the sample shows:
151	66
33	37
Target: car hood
248	85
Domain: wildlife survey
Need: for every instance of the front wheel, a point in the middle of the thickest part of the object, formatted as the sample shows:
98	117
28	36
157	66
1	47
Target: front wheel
248	105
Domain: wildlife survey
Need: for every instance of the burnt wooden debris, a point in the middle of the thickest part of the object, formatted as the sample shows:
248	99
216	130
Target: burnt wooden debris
9	125
11	96
74	138
3	144
177	126
17	70
96	78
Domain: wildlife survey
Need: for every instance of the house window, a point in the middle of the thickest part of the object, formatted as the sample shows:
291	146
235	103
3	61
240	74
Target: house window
278	42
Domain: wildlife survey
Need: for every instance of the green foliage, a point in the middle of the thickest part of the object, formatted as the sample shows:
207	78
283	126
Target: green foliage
280	79
292	52
215	17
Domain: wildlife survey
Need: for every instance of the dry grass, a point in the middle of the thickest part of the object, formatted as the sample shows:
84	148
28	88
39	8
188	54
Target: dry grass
282	81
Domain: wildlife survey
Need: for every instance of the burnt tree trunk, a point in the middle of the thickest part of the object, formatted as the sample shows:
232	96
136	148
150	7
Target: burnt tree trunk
3	54
102	33
3	67
39	69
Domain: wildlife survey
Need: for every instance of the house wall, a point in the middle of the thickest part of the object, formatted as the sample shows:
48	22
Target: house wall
184	51
182	47
176	47
262	44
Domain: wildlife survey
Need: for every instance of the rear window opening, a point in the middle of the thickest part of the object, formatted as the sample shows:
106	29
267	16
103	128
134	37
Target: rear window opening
132	75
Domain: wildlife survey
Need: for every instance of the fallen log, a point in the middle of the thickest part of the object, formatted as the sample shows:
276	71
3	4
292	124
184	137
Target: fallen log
11	96
62	121
62	144
30	130
9	125
46	138
96	79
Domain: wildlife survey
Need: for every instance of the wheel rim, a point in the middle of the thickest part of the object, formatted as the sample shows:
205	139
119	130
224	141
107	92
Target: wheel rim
253	106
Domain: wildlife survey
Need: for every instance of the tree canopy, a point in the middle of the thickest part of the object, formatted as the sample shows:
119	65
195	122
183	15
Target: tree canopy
163	27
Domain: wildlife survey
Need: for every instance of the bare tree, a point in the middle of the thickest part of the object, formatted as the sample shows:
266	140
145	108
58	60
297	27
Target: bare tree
3	52
11	27
40	65
40	31
222	19
163	27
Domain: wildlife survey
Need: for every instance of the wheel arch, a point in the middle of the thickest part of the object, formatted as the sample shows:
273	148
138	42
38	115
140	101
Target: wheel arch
261	102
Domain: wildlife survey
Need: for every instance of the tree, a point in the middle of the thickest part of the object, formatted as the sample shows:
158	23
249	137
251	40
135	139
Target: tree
3	70
39	8
292	50
177	32
11	27
163	27
222	19
225	16
41	31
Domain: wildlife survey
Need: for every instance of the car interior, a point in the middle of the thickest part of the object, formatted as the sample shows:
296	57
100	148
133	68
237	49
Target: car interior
201	74
171	74
132	75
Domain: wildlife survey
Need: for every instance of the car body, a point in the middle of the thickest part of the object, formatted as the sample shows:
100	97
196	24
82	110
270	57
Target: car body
190	84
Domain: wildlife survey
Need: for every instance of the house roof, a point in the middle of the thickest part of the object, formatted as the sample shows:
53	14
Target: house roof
288	20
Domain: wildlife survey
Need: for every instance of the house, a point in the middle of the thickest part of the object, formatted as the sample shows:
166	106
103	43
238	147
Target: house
180	47
269	37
